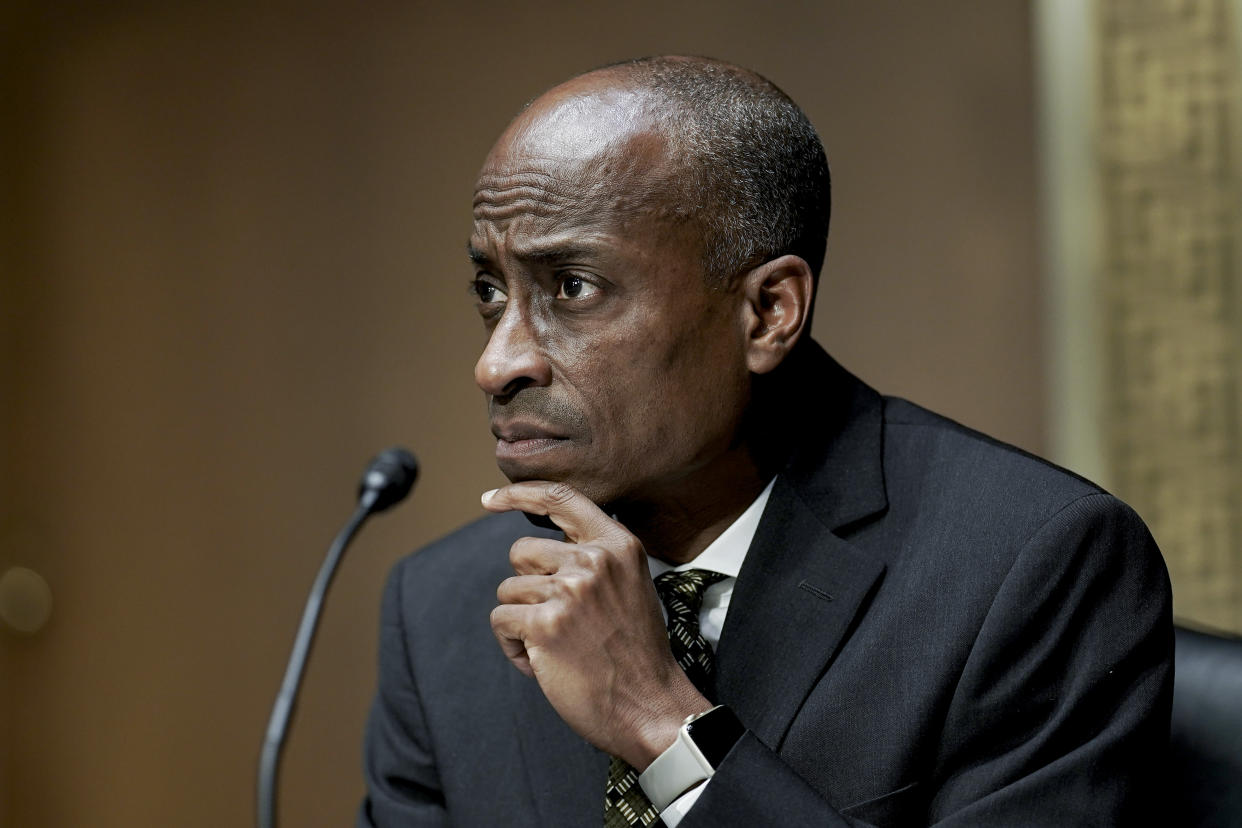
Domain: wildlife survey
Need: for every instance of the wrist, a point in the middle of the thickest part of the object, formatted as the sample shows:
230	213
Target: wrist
661	729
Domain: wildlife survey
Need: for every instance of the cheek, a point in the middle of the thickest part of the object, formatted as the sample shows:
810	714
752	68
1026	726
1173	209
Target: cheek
665	384
621	383
693	391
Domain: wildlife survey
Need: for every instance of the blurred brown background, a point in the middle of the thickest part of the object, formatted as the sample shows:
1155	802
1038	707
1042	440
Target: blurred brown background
233	270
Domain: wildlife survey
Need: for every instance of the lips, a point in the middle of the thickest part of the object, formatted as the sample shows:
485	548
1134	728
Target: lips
517	432
518	440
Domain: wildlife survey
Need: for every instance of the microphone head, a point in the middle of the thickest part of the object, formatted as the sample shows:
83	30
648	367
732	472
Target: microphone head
388	478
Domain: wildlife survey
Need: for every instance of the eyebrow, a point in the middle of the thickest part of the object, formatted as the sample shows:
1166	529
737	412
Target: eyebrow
551	254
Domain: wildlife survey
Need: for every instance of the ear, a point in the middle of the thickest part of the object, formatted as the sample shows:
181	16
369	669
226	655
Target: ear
778	297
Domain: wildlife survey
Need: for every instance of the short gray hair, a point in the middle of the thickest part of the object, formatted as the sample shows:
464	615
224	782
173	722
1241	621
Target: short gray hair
755	177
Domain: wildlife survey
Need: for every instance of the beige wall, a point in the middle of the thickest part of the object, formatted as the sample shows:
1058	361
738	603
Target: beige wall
236	272
1142	114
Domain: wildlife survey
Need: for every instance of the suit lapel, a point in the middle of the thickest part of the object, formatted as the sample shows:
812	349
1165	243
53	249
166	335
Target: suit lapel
797	595
802	587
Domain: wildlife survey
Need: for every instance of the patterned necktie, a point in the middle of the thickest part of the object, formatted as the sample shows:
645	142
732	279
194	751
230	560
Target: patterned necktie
625	804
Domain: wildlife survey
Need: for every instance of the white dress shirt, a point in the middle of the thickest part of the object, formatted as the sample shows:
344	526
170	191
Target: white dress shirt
724	555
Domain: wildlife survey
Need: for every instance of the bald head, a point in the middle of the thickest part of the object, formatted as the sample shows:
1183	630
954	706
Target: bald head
694	140
592	147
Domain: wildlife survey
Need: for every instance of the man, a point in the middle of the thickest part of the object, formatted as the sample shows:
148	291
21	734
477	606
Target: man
902	621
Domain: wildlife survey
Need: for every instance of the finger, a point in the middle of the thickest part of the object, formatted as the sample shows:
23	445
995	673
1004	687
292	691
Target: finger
538	556
577	515
507	623
525	589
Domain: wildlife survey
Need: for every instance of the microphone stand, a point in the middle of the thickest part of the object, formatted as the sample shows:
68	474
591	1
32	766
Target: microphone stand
388	480
286	699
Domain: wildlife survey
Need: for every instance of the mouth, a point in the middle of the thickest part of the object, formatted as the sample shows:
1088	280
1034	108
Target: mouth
516	440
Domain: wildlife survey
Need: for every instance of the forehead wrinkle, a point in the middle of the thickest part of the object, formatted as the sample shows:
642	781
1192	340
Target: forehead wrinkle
499	196
518	206
625	175
496	184
600	191
625	160
575	207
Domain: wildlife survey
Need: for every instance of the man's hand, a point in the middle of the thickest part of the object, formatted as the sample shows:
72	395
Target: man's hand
582	616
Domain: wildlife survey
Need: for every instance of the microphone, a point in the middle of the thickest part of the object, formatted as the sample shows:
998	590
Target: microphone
386	482
388	479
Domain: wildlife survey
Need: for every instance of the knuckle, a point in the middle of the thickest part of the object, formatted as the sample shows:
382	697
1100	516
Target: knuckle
560	493
592	558
633	548
569	586
555	623
519	550
502	591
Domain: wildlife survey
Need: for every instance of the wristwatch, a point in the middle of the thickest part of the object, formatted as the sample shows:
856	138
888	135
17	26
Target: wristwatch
702	743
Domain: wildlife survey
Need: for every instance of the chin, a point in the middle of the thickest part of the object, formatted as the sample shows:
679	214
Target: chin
595	490
518	471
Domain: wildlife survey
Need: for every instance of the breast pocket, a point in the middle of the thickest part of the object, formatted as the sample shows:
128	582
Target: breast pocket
891	810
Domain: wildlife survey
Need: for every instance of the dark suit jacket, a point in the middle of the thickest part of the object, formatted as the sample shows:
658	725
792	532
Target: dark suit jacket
930	628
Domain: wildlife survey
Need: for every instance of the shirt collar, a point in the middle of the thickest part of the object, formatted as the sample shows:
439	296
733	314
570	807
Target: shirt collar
726	553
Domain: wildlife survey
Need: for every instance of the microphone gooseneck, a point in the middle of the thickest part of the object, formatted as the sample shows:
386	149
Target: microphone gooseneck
386	482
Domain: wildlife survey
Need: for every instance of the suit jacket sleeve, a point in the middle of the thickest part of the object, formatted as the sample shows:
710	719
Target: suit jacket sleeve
1059	717
403	785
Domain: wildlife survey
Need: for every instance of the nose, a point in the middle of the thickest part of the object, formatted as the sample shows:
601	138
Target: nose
513	358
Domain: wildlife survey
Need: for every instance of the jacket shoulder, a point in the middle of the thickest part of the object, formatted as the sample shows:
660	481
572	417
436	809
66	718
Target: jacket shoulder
965	460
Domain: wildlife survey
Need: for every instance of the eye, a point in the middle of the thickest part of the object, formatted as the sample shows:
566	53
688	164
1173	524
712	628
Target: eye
575	287
487	292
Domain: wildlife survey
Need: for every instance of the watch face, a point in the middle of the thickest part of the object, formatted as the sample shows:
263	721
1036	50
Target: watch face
715	733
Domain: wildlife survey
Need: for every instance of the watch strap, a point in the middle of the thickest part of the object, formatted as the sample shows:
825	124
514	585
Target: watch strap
702	742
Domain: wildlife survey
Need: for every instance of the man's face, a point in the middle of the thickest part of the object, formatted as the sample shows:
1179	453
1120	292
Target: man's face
610	364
